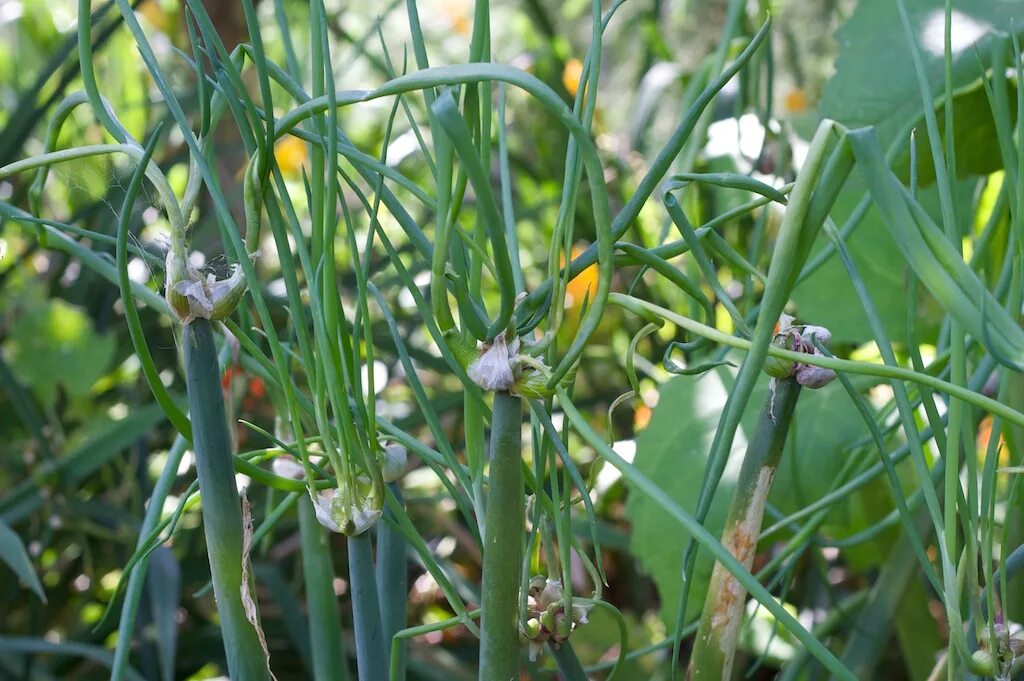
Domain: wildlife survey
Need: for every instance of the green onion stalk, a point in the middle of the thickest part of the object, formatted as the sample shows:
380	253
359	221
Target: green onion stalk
198	300
329	663
392	577
499	367
714	649
499	621
222	515
371	652
715	646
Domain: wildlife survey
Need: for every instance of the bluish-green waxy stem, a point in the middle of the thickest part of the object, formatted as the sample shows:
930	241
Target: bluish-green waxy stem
499	621
329	663
392	580
721	620
222	514
371	654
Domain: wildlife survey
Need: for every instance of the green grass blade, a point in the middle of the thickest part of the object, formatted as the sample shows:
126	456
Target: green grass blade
14	555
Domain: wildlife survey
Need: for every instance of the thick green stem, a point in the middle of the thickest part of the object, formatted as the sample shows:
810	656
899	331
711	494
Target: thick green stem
222	515
718	634
371	655
499	622
392	581
329	661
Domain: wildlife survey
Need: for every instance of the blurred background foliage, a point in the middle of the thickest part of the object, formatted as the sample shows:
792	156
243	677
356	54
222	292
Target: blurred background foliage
81	442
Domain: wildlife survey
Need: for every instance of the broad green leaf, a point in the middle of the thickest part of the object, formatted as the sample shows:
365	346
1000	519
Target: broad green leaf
673	450
14	555
55	345
974	135
916	631
874	81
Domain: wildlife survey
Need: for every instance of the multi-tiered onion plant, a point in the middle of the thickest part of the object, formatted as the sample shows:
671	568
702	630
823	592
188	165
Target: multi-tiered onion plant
341	461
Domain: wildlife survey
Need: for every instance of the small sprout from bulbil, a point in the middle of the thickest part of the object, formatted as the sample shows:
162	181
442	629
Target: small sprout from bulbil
346	514
393	460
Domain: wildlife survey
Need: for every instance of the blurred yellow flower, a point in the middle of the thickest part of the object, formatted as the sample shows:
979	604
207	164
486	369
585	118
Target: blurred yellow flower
290	153
582	285
571	75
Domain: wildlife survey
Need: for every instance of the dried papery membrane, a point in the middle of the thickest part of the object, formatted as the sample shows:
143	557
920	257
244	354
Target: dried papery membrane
551	593
359	519
193	296
198	303
581	612
248	601
322	503
810	333
493	369
811	376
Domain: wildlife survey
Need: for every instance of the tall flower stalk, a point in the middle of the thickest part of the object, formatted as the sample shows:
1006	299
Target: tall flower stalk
714	648
503	538
222	517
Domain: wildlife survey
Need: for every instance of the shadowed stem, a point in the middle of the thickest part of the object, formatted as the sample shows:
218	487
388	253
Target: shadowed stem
569	667
222	515
499	622
329	663
722	617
